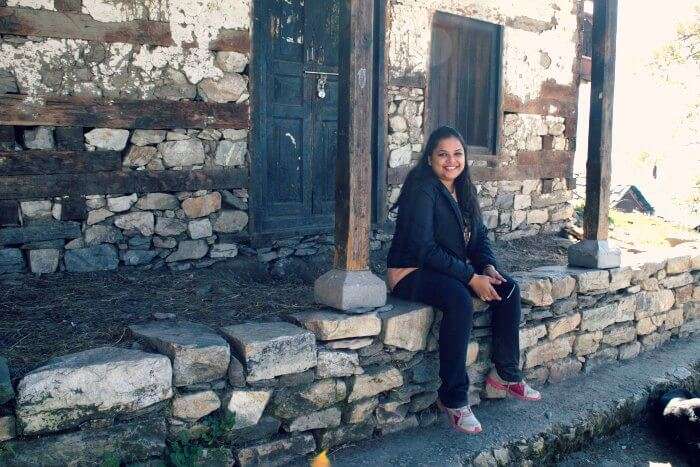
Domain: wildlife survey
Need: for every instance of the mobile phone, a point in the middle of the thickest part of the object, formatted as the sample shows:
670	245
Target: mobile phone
512	288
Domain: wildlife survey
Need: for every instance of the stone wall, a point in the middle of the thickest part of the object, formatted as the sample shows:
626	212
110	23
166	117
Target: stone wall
322	378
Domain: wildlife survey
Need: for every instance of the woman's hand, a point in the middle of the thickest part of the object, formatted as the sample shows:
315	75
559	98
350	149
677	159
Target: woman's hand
490	271
482	285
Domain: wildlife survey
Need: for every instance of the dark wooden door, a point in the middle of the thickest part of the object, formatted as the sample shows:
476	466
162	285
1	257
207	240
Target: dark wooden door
297	98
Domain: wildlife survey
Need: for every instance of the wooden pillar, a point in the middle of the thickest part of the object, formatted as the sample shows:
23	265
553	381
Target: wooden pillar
353	194
598	168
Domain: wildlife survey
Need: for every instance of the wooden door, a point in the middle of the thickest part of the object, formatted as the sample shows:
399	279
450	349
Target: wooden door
296	62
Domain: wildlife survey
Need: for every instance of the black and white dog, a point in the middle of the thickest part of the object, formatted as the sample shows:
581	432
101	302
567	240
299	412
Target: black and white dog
677	416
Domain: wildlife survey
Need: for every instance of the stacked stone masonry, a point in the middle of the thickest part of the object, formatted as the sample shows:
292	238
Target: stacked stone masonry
323	379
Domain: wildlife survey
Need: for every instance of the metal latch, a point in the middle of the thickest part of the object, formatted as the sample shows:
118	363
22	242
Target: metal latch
322	81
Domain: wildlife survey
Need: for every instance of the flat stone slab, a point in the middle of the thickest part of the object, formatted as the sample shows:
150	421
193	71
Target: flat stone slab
191	407
128	442
6	391
330	325
93	258
272	349
277	452
11	260
406	325
198	353
345	290
248	406
93	384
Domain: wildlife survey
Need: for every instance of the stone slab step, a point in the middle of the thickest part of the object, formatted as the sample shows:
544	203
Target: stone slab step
595	403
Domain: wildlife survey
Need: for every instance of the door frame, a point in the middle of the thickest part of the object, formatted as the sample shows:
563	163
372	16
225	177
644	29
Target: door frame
256	208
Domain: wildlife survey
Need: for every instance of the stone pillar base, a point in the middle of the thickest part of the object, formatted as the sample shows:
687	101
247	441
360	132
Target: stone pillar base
594	254
346	290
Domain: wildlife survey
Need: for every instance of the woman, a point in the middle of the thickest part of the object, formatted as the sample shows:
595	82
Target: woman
440	255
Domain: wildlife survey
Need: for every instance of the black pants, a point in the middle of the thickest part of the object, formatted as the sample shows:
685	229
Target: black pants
454	299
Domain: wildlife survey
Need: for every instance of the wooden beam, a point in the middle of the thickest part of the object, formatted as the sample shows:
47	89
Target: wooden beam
354	165
69	25
7	138
37	162
138	181
69	138
68	5
39	231
598	165
142	114
9	213
232	40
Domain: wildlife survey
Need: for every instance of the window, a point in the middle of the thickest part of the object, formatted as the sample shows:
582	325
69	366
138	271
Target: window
465	68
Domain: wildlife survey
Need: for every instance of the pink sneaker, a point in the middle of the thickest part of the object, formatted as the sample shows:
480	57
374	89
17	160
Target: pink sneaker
462	419
497	388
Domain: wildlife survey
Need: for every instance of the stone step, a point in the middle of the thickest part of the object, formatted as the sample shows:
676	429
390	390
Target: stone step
569	416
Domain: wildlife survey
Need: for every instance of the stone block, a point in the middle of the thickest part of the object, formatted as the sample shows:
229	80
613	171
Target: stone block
406	325
93	258
601	357
191	407
98	215
96	234
537	216
198	354
678	280
337	364
230	153
7	428
224	250
547	352
248	405
655	339
140	156
345	434
472	352
126	443
158	202
678	264
227	88
107	139
265	428
620	278
290	403
142	221
595	319
674	319
345	290
121	203
199	228
326	418
93	384
144	137
272	349
621	334
374	382
36	209
39	138
44	261
11	260
200	206
684	294
530	335
169	227
329	325
423	401
7	393
230	221
650	303
630	350
361	411
350	344
563	325
182	153
188	250
405	424
561	370
276	453
645	326
534	289
138	257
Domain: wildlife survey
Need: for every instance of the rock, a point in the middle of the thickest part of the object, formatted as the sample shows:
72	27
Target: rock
587	343
8	85
7	428
121	203
107	139
374	382
679	280
654	340
563	325
547	351
175	86
144	137
140	156
44	261
423	401
485	459
405	424
601	357
346	434
235	135
645	326
199	228
158	201
36	209
336	364
674	319
351	344
278	452
224	250
231	62
588	280
652	302
189	249
228	88
272	349
98	215
266	427
563	284
329	325
530	335
537	216
39	138
564	369
6	391
616	335
400	156
360	411
631	350
182	153
293	402
198	354
594	319
169	227
125	443
142	221
93	258
406	325
620	278
201	206
236	373
230	153
192	407
230	221
93	384
11	260
323	419
678	264
138	257
97	234
534	289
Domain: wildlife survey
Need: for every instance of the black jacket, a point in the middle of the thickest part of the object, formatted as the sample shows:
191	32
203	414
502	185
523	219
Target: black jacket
429	234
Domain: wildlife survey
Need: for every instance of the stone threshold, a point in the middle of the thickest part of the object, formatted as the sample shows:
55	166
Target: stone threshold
571	414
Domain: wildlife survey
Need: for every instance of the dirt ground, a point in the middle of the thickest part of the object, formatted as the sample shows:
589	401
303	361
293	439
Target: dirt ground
56	314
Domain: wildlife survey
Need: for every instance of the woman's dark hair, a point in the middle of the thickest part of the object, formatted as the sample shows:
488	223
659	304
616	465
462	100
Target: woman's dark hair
465	189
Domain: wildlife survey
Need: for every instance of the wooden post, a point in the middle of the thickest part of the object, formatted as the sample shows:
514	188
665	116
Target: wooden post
595	215
353	195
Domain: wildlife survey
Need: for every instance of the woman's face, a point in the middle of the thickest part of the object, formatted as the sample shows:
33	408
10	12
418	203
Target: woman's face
447	159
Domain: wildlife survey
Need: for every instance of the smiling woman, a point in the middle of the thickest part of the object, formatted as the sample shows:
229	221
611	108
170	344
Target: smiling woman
440	255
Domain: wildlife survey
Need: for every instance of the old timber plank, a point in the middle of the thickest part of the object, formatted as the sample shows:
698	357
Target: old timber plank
38	162
232	40
142	114
139	181
9	213
39	231
69	25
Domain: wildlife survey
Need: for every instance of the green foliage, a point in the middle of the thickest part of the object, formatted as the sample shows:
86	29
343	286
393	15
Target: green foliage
186	451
